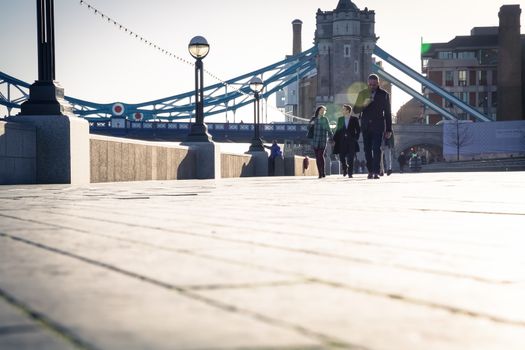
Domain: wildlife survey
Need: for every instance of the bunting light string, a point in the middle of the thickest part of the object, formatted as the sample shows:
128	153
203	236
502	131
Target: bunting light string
136	35
133	33
152	44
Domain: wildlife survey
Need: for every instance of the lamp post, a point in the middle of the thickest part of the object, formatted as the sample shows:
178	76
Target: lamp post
256	85
199	48
46	96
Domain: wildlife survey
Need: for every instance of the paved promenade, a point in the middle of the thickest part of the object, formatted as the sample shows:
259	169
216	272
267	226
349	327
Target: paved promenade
411	261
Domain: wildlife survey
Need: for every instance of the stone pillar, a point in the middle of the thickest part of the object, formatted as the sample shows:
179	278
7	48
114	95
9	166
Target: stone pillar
62	139
260	159
509	64
208	159
62	148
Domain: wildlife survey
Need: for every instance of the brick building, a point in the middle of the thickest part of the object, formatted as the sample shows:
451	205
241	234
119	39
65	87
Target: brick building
485	69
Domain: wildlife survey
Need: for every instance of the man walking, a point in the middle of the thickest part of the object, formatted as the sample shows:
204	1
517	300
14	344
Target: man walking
376	122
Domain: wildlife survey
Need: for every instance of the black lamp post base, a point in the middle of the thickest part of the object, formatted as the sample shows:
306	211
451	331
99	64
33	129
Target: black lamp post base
46	98
199	133
256	146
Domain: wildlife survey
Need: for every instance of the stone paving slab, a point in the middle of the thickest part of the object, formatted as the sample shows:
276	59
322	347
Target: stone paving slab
100	306
412	261
20	331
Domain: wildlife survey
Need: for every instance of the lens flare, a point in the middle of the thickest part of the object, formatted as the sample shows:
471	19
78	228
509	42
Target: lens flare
354	90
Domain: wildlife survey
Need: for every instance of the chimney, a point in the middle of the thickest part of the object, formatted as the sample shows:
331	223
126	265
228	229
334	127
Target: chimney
509	64
297	28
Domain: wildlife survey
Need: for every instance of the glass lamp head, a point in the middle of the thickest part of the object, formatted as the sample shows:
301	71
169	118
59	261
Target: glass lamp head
256	84
198	47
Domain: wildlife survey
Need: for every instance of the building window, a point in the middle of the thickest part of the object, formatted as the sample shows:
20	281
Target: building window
424	63
462	78
436	76
465	55
483	99
482	77
472	99
347	50
356	67
488	56
494	77
494	97
449	78
445	55
463	96
472	78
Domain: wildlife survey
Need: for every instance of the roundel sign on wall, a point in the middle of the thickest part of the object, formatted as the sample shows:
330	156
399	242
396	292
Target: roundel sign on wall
117	109
138	116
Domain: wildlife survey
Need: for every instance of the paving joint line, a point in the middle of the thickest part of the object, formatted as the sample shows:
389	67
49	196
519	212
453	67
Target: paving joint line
310	279
54	327
469	243
327	340
276	247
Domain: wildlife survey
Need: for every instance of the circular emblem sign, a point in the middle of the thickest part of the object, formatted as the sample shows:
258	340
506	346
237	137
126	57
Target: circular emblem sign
117	109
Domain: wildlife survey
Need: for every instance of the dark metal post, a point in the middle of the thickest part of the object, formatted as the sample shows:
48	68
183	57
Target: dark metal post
257	144
197	92
457	137
256	115
46	96
46	40
199	130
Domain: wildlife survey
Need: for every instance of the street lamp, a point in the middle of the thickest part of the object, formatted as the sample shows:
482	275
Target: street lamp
199	48
256	85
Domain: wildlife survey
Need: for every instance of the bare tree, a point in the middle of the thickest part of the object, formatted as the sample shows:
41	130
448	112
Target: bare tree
460	136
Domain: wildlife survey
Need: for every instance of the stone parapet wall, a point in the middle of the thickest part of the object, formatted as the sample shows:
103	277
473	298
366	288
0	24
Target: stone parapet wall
117	159
237	165
293	166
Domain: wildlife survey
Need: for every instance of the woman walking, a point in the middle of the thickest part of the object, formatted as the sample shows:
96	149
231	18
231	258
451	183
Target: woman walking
346	137
321	133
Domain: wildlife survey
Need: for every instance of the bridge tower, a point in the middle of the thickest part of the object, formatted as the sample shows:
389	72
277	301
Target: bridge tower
345	38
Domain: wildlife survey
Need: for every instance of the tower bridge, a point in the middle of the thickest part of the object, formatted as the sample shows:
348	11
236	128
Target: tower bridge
345	52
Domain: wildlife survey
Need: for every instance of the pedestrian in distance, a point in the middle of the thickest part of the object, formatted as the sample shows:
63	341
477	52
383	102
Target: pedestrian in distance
373	104
402	160
387	147
275	152
306	164
345	137
321	135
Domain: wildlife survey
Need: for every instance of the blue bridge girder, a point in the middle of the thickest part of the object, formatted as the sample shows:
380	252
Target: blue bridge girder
13	92
219	98
427	83
418	96
178	131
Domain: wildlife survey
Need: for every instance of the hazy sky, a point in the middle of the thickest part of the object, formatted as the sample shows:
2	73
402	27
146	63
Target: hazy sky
97	62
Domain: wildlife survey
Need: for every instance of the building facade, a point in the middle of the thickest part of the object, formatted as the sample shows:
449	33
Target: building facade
485	69
345	39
